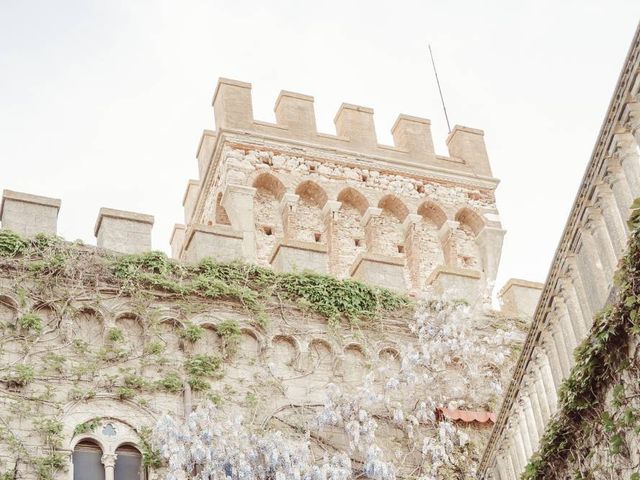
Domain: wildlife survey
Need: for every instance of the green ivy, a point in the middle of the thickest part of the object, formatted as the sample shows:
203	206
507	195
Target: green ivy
171	383
192	333
115	335
30	322
599	360
87	427
202	365
11	244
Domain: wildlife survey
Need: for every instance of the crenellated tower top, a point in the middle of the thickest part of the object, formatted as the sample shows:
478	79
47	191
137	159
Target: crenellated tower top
285	195
355	130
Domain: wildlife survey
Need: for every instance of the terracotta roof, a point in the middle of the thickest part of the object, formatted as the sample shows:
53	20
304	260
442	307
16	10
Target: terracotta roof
466	415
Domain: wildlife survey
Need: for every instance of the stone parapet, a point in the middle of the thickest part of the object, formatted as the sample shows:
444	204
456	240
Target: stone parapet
456	283
220	242
122	231
297	256
355	130
520	297
380	270
28	214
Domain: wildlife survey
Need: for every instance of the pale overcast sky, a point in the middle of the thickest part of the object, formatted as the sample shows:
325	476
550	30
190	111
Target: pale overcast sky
102	103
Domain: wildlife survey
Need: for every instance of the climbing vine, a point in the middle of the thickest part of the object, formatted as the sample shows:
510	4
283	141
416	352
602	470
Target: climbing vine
601	359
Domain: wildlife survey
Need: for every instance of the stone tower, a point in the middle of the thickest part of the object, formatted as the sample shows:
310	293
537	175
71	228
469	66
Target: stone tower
287	196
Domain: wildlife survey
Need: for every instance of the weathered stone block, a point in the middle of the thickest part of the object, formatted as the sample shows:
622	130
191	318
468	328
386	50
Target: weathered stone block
520	297
221	243
380	270
124	232
28	214
456	283
294	255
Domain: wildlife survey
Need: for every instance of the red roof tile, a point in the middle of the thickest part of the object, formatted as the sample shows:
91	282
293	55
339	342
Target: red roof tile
466	415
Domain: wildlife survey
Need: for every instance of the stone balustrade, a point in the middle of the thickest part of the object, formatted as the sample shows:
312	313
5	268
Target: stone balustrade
579	283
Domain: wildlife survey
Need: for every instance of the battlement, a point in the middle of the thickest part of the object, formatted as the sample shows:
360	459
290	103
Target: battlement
355	130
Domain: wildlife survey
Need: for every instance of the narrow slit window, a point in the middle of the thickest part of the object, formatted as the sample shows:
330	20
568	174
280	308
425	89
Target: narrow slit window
318	237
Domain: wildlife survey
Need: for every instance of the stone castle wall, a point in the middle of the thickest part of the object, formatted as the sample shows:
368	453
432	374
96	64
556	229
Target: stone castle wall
342	204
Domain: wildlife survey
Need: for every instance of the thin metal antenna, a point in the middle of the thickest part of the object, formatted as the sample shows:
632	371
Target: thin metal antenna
439	89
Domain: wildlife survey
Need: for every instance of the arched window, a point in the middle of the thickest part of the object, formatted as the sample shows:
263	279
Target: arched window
128	464
307	223
87	461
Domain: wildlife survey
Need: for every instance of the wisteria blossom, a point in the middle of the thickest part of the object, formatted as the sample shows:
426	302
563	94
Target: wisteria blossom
388	423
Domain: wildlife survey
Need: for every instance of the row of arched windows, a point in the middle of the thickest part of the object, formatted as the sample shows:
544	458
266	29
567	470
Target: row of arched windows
349	237
91	463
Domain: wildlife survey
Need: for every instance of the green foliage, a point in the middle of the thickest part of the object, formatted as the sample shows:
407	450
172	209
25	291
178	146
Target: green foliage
154	348
192	333
87	427
229	331
599	360
51	431
115	335
252	285
20	376
197	384
634	218
336	299
30	322
135	382
171	383
125	393
11	244
202	365
150	457
48	466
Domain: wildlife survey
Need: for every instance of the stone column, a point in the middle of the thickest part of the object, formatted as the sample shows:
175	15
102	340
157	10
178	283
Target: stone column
369	224
412	250
524	431
534	434
287	210
598	229
575	281
237	201
572	304
543	398
573	333
553	360
616	227
536	407
564	354
521	454
511	457
329	213
591	271
109	462
489	242
625	150
445	234
615	178
501	467
548	382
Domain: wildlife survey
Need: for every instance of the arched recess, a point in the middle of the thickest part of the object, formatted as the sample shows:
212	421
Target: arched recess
8	310
307	222
349	230
52	333
470	224
354	365
10	352
268	222
387	230
170	334
428	248
88	327
283	356
131	327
